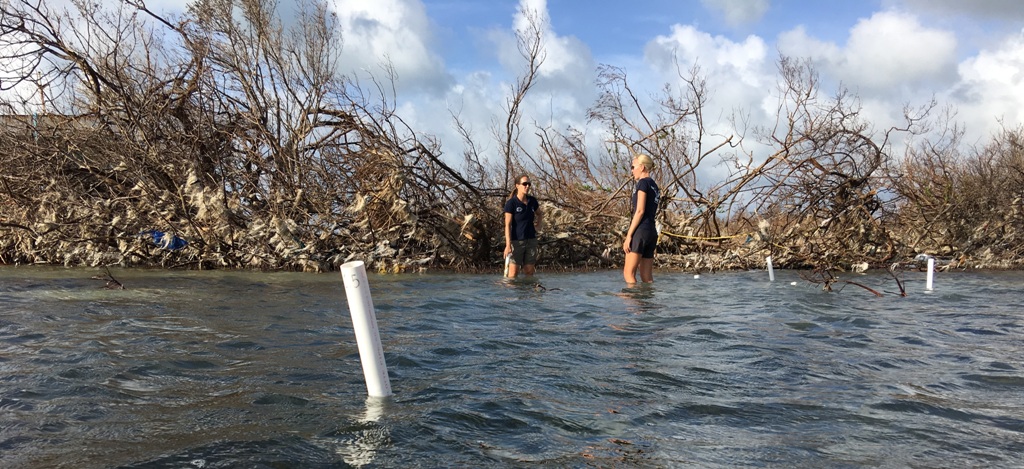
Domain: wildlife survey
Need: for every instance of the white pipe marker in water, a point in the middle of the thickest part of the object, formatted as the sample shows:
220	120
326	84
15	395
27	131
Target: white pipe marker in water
931	274
771	271
364	321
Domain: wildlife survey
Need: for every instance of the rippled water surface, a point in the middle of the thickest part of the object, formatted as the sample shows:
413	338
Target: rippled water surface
227	369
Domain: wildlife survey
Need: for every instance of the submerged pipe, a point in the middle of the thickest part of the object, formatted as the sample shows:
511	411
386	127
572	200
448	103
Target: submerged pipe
364	321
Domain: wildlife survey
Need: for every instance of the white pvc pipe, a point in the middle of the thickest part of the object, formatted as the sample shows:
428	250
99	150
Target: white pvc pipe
771	271
364	321
931	274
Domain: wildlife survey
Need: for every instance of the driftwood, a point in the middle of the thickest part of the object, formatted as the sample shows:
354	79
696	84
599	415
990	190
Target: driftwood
111	282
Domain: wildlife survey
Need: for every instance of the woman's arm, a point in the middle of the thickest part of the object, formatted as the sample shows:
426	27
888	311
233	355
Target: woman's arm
508	234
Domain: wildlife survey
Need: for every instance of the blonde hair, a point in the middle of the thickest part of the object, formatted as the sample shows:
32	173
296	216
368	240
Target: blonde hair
645	160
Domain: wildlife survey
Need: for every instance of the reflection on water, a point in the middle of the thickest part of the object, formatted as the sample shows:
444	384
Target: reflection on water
358	445
228	369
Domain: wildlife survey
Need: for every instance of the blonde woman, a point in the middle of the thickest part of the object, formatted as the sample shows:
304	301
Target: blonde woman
642	235
522	212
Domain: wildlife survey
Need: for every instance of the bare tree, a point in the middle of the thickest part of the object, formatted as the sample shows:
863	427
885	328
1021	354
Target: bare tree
672	130
962	205
231	130
226	137
530	42
820	191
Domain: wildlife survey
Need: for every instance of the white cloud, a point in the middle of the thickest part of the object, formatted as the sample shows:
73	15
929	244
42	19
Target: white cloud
739	75
738	12
888	58
562	91
797	43
992	87
891	59
394	31
718	55
562	55
892	49
883	54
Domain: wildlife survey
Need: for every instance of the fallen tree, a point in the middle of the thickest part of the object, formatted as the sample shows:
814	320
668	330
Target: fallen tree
225	139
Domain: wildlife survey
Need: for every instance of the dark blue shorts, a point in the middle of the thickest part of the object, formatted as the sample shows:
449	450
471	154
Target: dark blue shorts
645	241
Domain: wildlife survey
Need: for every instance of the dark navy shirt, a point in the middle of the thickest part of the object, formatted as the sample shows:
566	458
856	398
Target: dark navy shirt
651	207
522	217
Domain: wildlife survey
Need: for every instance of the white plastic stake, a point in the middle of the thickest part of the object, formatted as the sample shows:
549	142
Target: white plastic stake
364	321
771	271
931	274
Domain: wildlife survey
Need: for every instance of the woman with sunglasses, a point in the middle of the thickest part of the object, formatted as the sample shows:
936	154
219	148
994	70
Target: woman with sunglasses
522	211
642	235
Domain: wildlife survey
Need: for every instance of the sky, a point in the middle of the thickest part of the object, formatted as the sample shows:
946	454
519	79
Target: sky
458	57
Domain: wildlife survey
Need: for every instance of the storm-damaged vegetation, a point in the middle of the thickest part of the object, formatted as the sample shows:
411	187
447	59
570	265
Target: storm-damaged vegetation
225	139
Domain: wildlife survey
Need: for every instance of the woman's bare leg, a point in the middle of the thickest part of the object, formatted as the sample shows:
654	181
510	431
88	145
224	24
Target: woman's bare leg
647	270
629	270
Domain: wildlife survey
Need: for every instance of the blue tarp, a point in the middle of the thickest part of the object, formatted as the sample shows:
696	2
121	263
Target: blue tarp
164	240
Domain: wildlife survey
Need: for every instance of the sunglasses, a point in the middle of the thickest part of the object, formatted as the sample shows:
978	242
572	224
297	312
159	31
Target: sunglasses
527	183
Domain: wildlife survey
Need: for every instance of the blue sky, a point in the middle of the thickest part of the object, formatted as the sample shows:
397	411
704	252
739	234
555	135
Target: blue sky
459	57
613	28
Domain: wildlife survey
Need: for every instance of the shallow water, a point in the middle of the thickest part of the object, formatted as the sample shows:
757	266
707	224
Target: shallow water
229	369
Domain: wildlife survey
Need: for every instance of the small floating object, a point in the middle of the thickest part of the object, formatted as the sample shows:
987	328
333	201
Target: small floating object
792	283
166	241
696	275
